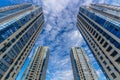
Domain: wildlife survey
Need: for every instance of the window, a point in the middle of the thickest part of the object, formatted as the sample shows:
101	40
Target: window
118	34
12	54
16	49
100	21
91	30
13	28
3	66
101	41
99	38
105	44
104	62
117	44
16	25
108	68
109	48
96	35
118	60
3	49
19	45
113	75
107	36
98	53
8	44
7	59
114	53
13	40
101	57
1	39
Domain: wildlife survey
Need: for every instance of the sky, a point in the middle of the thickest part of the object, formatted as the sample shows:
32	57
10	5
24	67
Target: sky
60	34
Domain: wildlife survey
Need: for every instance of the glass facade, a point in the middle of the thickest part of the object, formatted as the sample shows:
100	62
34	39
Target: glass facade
17	36
101	31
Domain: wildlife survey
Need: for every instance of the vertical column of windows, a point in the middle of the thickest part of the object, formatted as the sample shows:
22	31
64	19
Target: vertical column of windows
3	66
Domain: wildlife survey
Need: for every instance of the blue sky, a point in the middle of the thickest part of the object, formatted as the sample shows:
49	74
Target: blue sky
60	34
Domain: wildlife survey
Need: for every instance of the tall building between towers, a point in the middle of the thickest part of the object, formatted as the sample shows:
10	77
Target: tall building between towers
19	27
38	66
82	69
99	24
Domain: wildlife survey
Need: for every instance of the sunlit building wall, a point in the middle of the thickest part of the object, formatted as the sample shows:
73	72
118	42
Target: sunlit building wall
38	66
82	69
99	24
19	27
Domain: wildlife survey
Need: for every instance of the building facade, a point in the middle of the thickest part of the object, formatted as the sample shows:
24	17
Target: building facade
82	70
38	66
99	24
19	27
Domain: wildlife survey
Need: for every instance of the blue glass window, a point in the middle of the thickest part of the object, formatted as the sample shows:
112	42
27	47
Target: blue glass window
17	25
100	21
22	41
12	54
1	38
19	45
13	28
13	40
116	44
16	49
7	59
3	66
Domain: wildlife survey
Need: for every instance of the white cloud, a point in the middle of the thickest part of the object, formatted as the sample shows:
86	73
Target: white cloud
63	75
88	2
55	5
48	28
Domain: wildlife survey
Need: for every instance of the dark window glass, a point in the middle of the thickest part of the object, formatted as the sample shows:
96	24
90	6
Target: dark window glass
16	49
7	59
118	60
101	41
98	53
108	68
19	45
22	42
96	35
3	66
13	40
12	54
113	75
104	62
99	38
114	53
101	57
105	44
109	48
3	49
117	44
118	34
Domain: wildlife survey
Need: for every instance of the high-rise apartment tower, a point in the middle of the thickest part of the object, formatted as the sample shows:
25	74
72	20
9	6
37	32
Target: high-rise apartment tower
19	27
99	24
82	69
38	66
